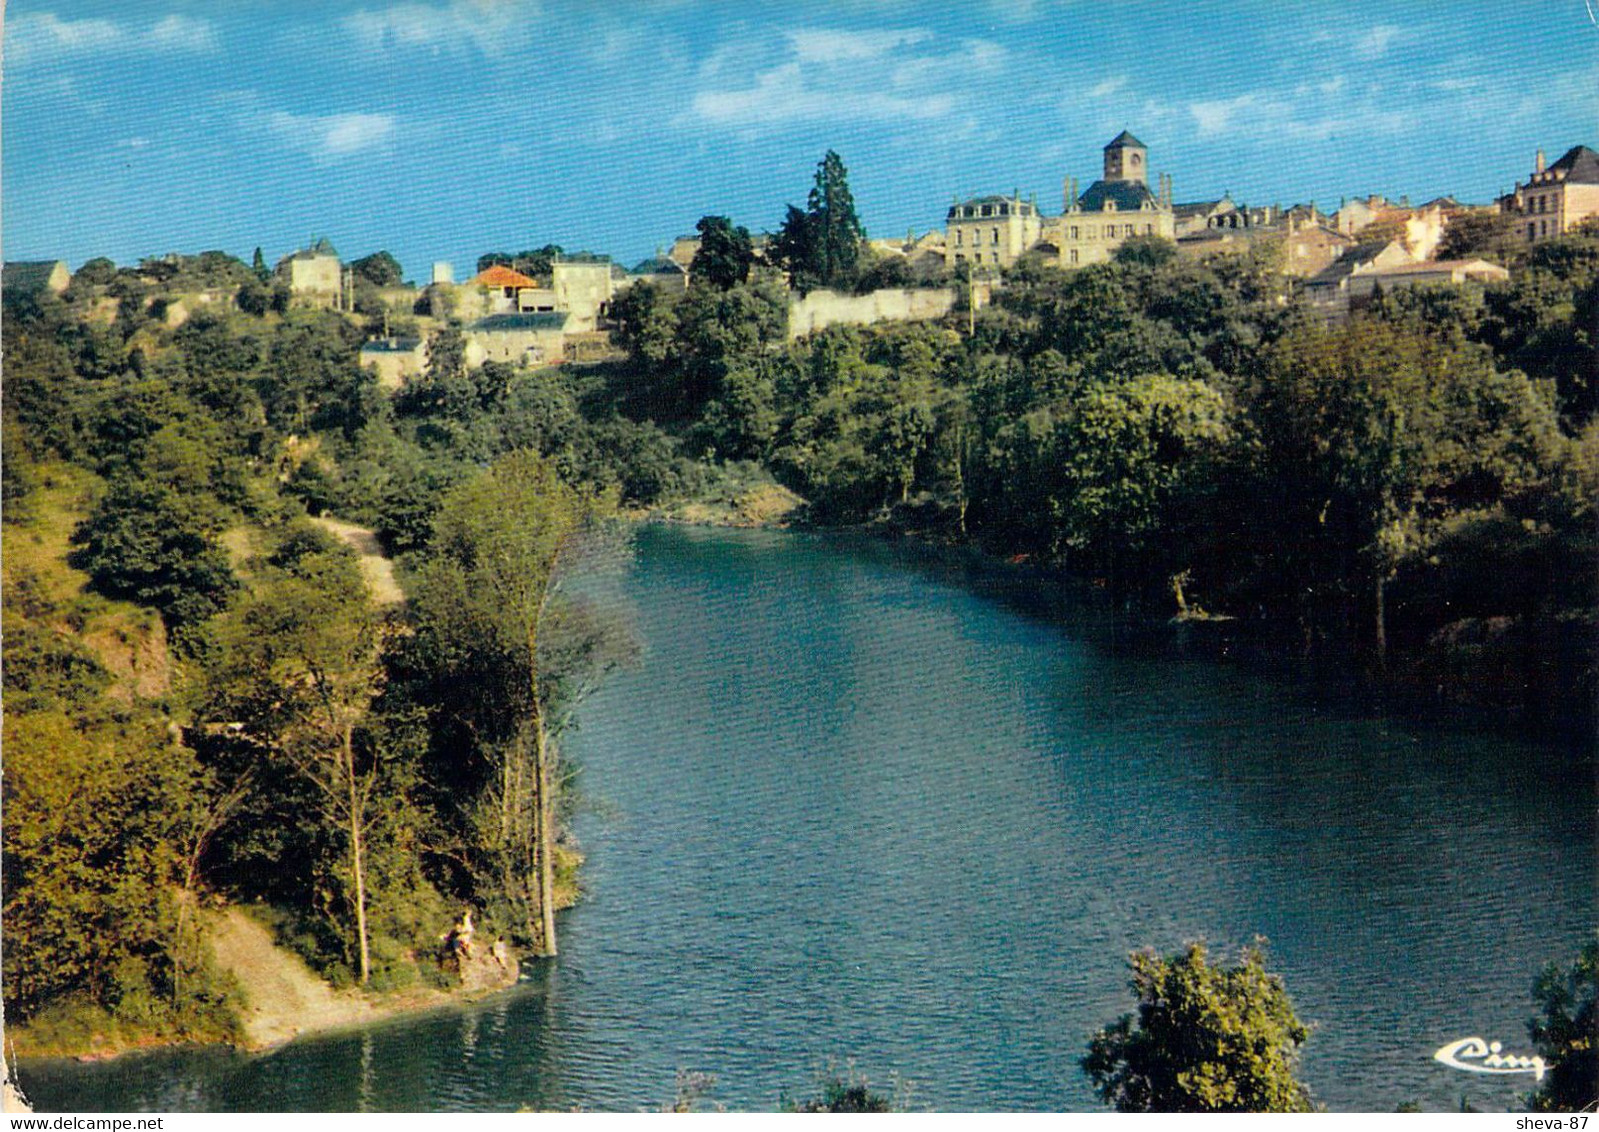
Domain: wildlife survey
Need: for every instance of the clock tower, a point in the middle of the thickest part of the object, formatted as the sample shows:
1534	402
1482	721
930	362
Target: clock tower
1126	159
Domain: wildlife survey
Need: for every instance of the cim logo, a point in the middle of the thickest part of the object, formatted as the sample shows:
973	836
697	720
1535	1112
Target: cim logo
1477	1056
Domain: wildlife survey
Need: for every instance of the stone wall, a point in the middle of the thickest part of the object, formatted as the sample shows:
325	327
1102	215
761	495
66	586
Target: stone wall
821	309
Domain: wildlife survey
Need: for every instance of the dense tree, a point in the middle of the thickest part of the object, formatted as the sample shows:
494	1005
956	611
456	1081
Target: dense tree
501	544
379	269
96	272
149	543
821	247
534	262
96	820
1566	1035
724	256
1480	233
1206	1039
296	664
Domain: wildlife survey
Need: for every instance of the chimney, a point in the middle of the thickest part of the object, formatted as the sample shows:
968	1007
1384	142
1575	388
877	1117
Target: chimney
1537	162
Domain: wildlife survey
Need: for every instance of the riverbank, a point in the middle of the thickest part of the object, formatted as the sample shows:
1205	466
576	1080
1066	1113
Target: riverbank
277	998
1473	672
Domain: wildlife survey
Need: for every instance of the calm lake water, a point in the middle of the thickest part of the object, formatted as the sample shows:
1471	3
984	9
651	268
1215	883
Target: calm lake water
857	804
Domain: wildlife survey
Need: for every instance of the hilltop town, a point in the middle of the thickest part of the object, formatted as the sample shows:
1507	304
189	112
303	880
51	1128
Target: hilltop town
549	308
290	655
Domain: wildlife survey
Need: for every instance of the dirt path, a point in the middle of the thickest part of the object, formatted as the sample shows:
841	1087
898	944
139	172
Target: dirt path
376	568
284	996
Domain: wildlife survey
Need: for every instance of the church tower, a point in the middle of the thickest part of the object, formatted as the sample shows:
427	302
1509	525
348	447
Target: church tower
1126	159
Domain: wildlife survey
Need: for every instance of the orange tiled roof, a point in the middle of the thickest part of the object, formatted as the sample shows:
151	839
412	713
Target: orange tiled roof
501	276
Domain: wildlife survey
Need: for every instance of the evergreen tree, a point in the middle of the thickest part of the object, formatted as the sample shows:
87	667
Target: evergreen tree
259	266
821	247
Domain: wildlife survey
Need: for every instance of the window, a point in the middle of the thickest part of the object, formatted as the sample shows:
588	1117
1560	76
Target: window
1004	210
958	235
988	209
1532	231
1074	231
1074	255
1149	229
995	240
994	257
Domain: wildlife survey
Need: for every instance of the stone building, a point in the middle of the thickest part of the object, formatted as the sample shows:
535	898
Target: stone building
36	278
395	360
1199	217
1558	197
537	338
314	272
993	230
1114	208
583	291
505	291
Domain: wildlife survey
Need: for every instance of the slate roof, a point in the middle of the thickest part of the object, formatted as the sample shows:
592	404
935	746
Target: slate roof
528	320
1344	265
1124	138
323	246
1129	196
1200	207
391	345
27	276
1580	164
658	265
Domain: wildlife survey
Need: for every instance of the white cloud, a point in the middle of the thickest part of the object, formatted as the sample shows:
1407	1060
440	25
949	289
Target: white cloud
489	27
905	75
46	37
780	95
1269	113
134	143
332	136
1107	87
325	138
819	45
1375	43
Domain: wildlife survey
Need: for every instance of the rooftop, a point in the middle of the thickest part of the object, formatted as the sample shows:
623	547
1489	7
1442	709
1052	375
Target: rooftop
1128	196
28	276
1580	165
528	320
658	265
1125	139
321	247
501	276
391	345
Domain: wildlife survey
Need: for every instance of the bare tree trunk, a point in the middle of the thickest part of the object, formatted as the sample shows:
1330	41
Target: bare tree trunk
1382	621
357	810
541	917
546	842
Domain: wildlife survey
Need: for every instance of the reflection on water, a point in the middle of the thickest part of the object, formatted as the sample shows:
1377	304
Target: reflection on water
858	802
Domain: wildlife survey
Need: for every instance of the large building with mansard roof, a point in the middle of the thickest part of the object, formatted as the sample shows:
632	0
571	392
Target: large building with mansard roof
997	230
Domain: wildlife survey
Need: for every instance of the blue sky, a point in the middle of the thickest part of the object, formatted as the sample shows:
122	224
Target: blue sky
439	129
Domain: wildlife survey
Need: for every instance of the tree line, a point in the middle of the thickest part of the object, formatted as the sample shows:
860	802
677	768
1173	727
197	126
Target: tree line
360	773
